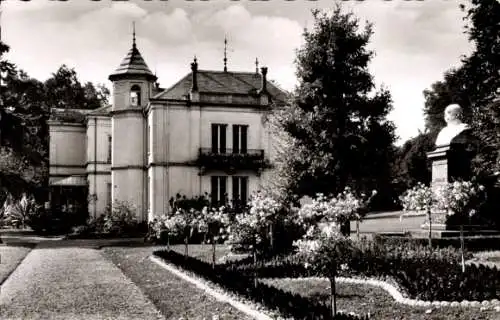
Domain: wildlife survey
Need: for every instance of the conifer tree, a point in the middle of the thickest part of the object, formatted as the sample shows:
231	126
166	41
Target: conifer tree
334	132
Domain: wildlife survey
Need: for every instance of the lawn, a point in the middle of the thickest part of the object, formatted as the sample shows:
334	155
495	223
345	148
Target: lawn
174	297
365	299
10	257
388	222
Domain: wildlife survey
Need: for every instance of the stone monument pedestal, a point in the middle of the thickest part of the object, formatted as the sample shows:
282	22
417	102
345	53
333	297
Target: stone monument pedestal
449	163
440	166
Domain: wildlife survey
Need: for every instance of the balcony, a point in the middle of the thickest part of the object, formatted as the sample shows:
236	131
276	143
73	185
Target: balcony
229	161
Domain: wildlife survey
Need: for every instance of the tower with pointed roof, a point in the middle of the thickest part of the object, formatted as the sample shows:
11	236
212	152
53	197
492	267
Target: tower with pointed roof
133	85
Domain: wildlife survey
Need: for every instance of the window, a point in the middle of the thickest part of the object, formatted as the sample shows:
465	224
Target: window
218	192
240	190
240	138
219	138
108	193
109	148
135	96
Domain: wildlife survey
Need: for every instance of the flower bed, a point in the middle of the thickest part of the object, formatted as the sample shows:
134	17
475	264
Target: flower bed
366	298
288	304
422	274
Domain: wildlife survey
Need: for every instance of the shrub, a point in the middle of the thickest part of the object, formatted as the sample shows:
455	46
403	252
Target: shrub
55	222
19	212
119	220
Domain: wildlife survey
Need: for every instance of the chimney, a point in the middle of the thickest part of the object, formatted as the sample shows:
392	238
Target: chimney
194	74
264	97
263	85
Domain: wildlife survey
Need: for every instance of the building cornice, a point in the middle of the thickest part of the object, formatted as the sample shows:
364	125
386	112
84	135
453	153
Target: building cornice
125	112
58	123
128	167
76	166
171	164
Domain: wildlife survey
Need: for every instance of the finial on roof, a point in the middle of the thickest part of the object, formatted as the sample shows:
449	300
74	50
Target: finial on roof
225	53
133	34
256	65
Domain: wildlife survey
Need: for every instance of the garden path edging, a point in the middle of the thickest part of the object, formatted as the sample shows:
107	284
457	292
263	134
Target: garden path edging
398	296
217	295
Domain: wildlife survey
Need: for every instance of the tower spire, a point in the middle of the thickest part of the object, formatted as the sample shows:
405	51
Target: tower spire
225	53
133	34
256	65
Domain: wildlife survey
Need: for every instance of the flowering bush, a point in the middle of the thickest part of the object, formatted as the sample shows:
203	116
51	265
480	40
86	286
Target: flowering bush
214	223
459	197
324	247
344	207
418	198
253	228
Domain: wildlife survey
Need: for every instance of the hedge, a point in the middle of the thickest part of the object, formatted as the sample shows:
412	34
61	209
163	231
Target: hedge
476	243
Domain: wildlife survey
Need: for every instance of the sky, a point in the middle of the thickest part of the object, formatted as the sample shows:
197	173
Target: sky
415	42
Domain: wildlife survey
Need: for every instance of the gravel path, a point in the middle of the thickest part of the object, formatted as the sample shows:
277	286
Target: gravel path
72	283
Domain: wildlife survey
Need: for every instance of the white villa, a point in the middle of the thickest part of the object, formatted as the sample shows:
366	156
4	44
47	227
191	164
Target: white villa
206	133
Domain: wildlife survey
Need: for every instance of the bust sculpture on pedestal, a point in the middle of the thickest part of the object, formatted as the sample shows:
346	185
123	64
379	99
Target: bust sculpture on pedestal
455	148
454	125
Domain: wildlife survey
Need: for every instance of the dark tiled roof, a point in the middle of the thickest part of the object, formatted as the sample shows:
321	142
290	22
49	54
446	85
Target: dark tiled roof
102	111
68	115
220	82
133	64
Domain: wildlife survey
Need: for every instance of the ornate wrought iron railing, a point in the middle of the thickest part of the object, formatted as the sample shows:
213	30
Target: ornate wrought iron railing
229	160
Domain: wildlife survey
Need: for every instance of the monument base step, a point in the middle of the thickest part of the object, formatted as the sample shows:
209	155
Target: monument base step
437	233
440	234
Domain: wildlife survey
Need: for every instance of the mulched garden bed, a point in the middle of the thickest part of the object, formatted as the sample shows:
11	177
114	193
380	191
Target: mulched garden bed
174	297
366	299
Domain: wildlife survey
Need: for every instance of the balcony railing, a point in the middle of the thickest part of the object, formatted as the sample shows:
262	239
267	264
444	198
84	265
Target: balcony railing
229	161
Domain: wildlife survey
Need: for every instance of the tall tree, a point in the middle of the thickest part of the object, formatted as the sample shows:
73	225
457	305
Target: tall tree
23	130
411	165
25	109
64	90
336	129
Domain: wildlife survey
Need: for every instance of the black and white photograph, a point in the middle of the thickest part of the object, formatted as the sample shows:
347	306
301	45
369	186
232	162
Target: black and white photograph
249	159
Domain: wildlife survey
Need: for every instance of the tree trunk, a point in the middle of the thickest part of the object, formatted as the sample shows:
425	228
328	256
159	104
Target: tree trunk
430	228
271	236
213	252
462	247
333	297
357	229
186	246
254	252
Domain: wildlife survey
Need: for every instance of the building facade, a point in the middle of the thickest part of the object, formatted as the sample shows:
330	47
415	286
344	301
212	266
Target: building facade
205	134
